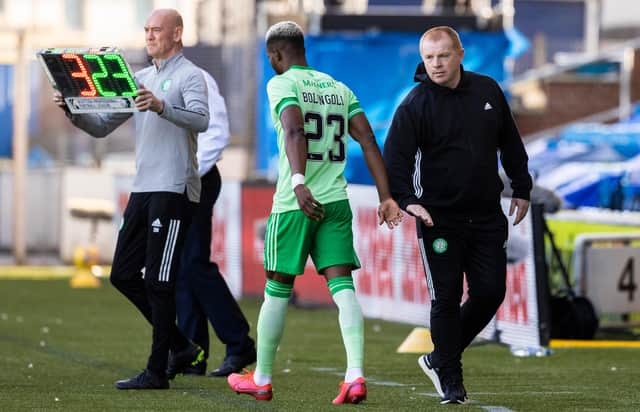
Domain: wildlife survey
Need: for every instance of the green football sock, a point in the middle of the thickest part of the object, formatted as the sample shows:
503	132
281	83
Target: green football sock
270	327
350	319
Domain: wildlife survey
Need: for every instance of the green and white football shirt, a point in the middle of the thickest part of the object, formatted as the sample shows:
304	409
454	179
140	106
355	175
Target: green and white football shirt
327	106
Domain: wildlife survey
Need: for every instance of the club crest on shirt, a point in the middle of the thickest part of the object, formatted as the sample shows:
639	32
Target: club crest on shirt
165	85
440	245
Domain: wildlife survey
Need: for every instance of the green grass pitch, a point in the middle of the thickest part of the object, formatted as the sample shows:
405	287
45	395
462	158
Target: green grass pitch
62	349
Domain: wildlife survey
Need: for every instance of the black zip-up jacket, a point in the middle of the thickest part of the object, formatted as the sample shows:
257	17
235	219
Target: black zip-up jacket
441	149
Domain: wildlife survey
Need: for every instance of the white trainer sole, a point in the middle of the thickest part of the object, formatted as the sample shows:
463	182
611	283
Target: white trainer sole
424	365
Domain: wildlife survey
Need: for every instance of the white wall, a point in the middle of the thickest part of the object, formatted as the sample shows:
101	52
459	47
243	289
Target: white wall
43	209
85	184
49	224
620	13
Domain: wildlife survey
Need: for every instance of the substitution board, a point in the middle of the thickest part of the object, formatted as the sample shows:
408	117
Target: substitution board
92	80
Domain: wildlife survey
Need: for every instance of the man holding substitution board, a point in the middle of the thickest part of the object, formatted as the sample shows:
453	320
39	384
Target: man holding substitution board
172	108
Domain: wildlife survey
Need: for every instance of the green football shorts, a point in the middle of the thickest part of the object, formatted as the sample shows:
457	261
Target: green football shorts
291	237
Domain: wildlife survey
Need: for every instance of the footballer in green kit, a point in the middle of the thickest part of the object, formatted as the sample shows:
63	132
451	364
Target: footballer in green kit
313	115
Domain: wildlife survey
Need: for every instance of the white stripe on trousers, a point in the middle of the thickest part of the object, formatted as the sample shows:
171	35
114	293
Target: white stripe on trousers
272	250
417	184
427	269
167	254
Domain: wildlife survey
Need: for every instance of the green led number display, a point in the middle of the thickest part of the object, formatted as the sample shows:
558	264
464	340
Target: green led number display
123	74
98	76
108	75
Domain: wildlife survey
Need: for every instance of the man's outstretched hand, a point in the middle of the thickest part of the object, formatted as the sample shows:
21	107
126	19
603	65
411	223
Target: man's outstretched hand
389	212
421	213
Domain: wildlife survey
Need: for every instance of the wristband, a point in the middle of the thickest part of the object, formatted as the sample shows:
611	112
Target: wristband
297	179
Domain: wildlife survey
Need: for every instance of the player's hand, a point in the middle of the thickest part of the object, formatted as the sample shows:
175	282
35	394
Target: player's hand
58	100
421	213
389	212
522	206
308	204
145	100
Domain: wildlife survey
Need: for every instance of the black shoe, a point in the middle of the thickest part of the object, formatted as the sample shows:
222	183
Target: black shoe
447	381
178	362
145	380
433	373
235	363
454	392
198	370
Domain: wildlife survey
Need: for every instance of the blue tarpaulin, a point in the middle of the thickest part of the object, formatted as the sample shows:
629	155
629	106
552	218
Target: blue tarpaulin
624	138
6	109
591	164
6	105
379	68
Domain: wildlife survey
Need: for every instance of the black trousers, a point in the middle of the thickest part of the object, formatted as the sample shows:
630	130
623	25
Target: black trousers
453	247
201	291
151	238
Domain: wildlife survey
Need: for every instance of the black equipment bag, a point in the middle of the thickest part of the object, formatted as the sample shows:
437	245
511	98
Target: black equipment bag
572	316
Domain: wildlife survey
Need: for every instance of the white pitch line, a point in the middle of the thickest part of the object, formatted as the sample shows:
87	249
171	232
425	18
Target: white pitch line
374	381
429	394
489	408
496	409
370	379
535	393
386	383
324	369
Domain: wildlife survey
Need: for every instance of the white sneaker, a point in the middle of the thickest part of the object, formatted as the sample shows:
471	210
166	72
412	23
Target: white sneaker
431	372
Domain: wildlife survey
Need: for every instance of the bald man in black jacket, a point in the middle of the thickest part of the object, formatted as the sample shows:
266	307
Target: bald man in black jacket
441	158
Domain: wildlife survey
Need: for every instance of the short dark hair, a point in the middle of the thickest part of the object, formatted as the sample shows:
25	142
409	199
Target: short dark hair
287	32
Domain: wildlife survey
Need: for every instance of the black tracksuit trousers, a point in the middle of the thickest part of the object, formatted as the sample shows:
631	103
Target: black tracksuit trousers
455	246
151	237
201	291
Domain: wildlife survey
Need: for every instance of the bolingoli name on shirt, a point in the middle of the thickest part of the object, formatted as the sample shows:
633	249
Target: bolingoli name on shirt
310	97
